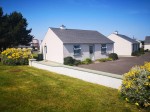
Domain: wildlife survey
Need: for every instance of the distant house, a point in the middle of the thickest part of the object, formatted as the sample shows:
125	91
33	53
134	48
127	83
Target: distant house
147	43
124	45
79	44
23	46
35	44
141	42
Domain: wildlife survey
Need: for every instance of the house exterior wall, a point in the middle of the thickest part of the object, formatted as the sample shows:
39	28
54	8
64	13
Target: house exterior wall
54	47
140	43
121	46
147	46
68	51
135	47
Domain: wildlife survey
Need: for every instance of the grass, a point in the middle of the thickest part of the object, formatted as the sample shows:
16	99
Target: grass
27	89
104	59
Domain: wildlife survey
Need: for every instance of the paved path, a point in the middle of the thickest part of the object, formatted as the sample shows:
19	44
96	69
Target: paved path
121	66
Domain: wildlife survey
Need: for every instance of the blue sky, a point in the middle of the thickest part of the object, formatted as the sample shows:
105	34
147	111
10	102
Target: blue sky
128	17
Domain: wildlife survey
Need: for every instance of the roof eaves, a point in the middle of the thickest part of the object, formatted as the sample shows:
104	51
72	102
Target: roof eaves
127	39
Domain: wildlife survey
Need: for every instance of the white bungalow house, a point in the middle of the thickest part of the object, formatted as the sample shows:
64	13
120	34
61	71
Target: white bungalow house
147	43
124	46
79	44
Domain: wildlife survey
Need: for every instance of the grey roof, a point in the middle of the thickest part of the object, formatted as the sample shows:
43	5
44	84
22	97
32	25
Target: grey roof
80	36
147	40
128	38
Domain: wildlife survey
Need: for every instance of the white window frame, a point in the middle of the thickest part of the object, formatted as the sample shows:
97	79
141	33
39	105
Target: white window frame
77	50
103	48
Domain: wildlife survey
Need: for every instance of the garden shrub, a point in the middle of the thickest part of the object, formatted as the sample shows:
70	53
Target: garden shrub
87	61
0	56
135	86
113	56
104	59
138	53
146	50
70	61
35	56
77	62
38	57
141	50
13	56
135	53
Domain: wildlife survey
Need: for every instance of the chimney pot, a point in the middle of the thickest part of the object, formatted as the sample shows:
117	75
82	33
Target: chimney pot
116	32
62	27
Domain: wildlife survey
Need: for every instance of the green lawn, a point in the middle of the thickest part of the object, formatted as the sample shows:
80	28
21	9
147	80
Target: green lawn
27	89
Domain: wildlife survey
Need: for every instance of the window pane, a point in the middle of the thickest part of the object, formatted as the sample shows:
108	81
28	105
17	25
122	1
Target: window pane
91	49
77	50
103	48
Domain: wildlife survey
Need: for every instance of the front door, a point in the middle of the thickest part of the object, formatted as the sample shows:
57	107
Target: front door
91	51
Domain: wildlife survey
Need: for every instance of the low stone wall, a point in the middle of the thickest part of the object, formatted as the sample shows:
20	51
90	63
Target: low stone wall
102	78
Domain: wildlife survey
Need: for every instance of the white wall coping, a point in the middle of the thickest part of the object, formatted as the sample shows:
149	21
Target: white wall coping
81	69
30	61
86	75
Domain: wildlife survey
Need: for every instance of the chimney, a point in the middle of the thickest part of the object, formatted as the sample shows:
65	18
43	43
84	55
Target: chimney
62	27
116	32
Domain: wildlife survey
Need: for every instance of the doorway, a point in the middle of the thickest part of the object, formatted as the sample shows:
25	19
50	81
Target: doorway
91	51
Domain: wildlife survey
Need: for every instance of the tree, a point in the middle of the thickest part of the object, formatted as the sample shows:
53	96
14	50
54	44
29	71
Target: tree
1	12
3	32
13	30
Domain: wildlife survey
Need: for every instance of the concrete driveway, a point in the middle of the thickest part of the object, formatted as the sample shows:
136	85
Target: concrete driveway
121	66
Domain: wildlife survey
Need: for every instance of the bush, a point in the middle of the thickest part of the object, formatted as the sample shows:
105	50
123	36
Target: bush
146	50
35	56
70	61
13	56
38	57
0	57
77	62
87	61
136	53
113	56
141	50
104	59
135	86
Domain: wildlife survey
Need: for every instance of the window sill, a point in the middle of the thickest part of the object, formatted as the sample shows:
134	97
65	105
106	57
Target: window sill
77	55
104	53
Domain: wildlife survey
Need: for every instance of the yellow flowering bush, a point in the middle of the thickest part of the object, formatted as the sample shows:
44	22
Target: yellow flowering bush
13	56
135	86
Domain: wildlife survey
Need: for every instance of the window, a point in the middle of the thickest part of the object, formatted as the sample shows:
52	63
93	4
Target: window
103	48
77	50
91	49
